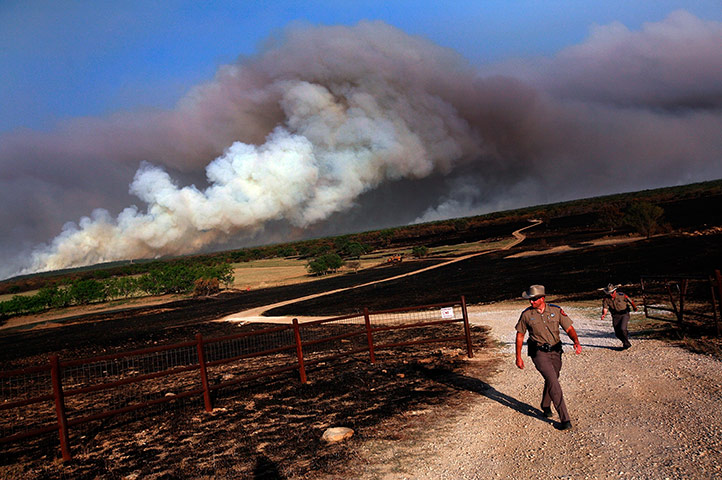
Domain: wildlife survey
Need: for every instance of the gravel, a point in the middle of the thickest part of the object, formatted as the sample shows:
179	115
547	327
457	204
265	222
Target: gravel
650	412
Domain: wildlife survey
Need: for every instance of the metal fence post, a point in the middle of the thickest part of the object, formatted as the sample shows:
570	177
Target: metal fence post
718	277
682	295
671	300
467	330
644	297
60	407
299	351
713	296
204	373
369	335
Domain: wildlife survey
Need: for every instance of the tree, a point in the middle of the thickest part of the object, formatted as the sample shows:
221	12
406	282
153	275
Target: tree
644	217
46	296
321	265
317	267
126	286
84	292
354	250
223	272
333	261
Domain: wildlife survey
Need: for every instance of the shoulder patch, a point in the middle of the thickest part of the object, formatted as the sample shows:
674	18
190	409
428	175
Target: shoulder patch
561	310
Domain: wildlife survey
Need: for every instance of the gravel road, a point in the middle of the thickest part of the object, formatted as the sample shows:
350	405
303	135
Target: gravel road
650	412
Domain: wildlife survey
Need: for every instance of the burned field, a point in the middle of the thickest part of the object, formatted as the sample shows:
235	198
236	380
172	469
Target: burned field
272	428
269	428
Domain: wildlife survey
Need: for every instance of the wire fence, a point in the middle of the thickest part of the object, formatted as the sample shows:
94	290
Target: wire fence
67	396
686	300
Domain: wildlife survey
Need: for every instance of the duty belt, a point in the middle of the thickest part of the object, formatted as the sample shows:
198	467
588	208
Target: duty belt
545	347
534	347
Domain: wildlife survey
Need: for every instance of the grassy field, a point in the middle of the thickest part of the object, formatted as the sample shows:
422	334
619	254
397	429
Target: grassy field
275	272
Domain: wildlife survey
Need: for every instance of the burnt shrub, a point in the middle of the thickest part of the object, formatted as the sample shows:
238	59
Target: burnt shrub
206	286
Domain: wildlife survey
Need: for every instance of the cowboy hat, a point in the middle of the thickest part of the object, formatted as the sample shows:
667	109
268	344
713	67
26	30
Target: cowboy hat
534	291
609	289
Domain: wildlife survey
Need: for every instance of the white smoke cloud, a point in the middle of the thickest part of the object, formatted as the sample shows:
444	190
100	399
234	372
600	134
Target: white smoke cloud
332	148
325	116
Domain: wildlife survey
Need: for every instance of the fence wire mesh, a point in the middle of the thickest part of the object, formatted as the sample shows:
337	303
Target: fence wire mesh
244	356
332	337
24	386
135	384
149	376
441	323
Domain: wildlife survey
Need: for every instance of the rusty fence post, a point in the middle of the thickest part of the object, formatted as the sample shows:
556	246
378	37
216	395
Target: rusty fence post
369	335
467	330
60	407
682	295
299	351
644	297
204	373
718	278
671	300
713	301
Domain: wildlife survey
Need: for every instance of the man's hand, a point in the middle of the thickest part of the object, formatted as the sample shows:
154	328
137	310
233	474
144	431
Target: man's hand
519	343
573	335
602	316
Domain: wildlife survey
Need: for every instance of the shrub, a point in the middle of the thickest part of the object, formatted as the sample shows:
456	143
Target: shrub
355	266
419	251
206	286
610	217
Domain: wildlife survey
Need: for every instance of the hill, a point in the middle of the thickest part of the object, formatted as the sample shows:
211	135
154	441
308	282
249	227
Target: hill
686	208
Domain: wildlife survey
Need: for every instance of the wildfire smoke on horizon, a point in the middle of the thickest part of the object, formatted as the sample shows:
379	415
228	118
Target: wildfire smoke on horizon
323	116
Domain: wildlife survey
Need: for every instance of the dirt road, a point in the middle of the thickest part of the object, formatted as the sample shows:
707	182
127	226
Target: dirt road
650	412
256	314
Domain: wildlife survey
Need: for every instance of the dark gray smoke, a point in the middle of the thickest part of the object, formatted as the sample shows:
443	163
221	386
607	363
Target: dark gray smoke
299	138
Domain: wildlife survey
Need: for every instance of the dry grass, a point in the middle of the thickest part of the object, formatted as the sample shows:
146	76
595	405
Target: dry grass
274	272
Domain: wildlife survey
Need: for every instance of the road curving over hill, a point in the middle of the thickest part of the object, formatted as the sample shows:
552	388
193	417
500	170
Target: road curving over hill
256	314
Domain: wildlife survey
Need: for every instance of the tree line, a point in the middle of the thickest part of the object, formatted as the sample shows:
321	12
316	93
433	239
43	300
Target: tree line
610	211
162	279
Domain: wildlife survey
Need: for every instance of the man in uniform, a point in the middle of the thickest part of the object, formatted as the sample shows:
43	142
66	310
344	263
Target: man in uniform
618	304
542	321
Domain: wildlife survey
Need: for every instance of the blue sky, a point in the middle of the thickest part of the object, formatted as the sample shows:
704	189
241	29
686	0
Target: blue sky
135	129
62	59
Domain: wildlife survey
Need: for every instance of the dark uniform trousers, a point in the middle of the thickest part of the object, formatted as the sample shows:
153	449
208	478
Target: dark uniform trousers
549	364
620	321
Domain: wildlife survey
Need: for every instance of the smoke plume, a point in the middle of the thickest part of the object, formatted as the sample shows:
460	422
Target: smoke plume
328	124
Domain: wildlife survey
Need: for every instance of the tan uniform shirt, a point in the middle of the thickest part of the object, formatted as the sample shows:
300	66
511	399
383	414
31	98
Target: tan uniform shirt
618	304
543	327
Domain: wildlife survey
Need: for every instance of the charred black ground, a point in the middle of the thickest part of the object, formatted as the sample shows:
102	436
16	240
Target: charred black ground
272	429
268	429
